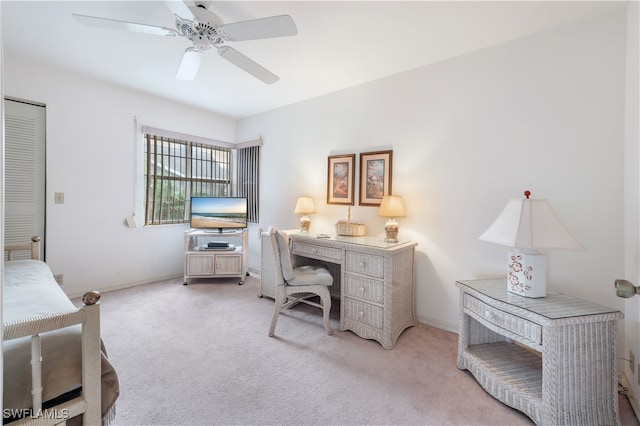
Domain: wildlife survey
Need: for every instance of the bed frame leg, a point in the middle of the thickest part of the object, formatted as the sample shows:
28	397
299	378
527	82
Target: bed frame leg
36	373
91	359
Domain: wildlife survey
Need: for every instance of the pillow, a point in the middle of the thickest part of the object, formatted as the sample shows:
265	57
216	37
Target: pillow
285	255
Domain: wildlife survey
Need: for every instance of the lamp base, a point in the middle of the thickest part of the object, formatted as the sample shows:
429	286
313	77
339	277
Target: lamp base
527	275
305	223
391	231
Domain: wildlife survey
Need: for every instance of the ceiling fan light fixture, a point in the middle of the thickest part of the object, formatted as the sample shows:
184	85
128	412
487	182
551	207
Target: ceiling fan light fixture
201	43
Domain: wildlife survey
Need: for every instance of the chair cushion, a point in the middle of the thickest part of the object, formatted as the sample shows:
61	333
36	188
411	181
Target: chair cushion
285	255
311	275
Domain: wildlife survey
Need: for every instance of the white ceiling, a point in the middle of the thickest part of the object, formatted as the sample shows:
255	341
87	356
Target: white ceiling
339	44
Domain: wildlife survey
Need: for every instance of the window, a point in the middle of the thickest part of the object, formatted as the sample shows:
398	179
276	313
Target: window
175	170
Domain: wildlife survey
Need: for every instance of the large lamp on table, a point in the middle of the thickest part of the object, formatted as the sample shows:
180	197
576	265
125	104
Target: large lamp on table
527	225
305	206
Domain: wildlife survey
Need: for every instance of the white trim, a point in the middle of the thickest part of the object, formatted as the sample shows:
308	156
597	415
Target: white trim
186	137
199	139
247	144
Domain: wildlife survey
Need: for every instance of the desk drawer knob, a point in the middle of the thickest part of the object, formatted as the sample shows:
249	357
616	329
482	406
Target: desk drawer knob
314	251
362	264
361	290
491	316
361	314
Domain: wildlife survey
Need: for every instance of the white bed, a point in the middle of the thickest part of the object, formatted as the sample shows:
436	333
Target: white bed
72	375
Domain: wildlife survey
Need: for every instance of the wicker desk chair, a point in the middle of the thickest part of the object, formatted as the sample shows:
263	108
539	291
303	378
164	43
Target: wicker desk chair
297	285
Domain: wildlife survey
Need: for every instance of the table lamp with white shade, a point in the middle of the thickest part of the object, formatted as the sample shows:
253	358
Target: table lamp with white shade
391	206
527	225
305	206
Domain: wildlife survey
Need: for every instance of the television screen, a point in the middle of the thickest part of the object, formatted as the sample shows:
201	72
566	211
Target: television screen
218	213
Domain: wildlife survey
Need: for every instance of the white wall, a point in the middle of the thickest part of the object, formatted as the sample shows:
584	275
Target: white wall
631	336
91	157
544	113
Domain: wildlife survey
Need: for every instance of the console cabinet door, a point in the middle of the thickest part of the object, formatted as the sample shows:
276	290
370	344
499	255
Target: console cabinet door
228	264
200	265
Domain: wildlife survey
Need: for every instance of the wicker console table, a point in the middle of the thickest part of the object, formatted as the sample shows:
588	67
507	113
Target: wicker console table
572	381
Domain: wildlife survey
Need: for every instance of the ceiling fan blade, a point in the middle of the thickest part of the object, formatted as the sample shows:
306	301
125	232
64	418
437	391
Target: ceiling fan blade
115	24
205	16
178	7
274	26
248	65
189	65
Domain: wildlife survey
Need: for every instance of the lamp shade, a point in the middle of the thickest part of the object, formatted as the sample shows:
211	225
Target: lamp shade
391	206
305	205
532	224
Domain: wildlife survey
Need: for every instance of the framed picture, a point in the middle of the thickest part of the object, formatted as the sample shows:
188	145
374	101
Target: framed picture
341	181
375	177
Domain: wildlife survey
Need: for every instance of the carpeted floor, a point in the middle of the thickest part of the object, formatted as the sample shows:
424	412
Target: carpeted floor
200	355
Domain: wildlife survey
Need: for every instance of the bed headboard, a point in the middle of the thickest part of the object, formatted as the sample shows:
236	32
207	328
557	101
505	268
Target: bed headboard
33	247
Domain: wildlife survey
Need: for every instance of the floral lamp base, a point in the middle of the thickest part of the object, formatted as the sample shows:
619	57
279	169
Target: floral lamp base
305	223
391	231
527	275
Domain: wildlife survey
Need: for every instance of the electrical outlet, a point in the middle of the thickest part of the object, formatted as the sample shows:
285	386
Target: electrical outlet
58	197
632	361
59	278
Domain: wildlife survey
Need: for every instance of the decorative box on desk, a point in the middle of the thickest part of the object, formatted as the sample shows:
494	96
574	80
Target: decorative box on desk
374	280
574	380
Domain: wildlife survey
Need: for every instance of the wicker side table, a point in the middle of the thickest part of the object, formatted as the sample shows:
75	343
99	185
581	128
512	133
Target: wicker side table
572	381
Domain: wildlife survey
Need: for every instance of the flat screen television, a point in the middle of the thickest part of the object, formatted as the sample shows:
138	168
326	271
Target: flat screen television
218	213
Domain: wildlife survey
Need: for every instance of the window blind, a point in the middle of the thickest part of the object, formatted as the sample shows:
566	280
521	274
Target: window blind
248	179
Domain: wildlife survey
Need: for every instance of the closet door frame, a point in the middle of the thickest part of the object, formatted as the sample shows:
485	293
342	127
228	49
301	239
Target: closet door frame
24	171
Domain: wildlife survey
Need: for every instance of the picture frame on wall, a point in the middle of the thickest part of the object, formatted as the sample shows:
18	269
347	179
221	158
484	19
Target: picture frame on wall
341	179
375	176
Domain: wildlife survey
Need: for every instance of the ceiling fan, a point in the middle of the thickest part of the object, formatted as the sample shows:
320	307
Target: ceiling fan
206	30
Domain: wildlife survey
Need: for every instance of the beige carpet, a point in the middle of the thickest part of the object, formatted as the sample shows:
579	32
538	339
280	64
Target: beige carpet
200	355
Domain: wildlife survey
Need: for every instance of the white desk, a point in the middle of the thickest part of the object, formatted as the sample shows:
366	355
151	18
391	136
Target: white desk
374	280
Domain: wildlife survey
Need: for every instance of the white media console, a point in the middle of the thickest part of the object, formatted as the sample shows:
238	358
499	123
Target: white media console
200	261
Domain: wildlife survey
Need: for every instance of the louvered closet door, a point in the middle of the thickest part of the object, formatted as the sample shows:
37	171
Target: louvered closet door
24	190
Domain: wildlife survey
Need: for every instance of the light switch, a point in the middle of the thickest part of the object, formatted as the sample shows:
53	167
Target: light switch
59	198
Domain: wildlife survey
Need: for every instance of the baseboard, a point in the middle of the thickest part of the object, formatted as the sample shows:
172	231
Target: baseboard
453	328
633	399
135	284
126	285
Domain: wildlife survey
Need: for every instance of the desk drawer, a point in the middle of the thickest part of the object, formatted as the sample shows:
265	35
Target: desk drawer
364	288
366	264
363	312
318	252
520	326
